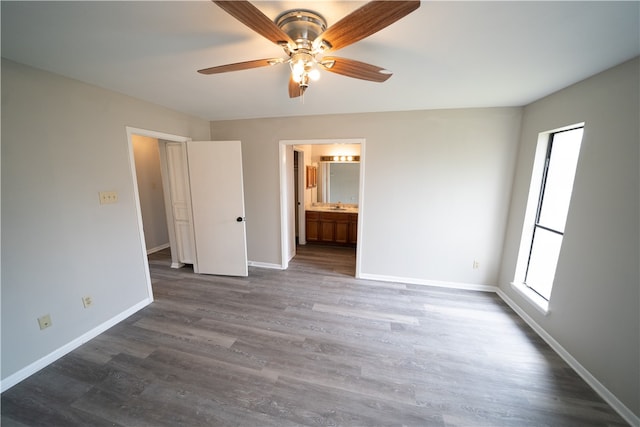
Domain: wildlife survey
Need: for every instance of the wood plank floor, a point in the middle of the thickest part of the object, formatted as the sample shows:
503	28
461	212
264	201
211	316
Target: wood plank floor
310	346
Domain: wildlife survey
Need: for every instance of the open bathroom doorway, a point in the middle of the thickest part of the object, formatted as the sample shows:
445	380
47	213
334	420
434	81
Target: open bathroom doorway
307	188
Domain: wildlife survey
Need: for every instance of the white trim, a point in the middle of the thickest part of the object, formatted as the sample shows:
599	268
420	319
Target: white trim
177	264
540	304
158	248
359	233
45	361
156	134
599	388
282	169
268	265
302	226
423	282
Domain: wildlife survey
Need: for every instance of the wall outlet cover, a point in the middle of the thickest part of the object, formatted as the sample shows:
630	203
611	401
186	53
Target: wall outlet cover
44	321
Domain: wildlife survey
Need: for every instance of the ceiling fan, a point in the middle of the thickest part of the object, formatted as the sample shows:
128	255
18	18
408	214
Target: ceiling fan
305	38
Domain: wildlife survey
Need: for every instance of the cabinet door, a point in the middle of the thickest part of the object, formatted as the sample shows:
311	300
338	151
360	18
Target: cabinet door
353	228
327	231
342	231
312	230
312	222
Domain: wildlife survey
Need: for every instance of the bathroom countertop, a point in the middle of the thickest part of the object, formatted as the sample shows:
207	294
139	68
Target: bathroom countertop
332	208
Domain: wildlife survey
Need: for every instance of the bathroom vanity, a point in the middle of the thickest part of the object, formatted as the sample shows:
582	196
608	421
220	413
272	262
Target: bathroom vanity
331	225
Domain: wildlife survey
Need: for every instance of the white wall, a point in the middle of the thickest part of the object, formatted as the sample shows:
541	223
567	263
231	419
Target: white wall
150	192
437	187
595	303
62	142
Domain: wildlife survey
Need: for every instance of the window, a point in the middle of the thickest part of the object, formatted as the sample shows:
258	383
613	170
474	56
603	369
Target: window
549	210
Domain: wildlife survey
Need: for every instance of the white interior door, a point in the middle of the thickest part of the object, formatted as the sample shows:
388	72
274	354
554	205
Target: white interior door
217	199
180	203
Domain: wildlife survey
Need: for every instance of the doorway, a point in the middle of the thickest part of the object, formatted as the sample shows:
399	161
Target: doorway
131	132
149	177
215	213
164	196
289	207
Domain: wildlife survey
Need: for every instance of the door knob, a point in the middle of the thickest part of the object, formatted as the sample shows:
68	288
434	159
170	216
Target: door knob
240	219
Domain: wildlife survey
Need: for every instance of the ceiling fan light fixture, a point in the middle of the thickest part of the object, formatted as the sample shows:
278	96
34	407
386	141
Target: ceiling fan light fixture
314	74
297	67
303	67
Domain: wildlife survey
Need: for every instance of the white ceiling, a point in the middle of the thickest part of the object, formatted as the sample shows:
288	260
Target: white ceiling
444	55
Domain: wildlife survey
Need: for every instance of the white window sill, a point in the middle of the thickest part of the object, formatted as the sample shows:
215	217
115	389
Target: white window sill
541	304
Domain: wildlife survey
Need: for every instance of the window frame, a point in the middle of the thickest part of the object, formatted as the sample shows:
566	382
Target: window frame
534	207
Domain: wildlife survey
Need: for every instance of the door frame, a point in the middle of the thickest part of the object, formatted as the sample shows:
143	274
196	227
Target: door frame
302	232
286	196
133	176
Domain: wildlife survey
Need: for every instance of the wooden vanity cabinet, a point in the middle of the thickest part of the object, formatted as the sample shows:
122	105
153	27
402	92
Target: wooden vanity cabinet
338	228
312	226
353	229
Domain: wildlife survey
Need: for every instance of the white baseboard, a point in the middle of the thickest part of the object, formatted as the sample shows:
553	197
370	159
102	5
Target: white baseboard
412	281
599	388
34	367
158	248
264	265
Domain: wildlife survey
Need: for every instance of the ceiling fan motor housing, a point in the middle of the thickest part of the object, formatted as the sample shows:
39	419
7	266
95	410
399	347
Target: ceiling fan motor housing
303	26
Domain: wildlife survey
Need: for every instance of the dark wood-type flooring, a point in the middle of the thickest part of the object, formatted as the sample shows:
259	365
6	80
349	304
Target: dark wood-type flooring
310	346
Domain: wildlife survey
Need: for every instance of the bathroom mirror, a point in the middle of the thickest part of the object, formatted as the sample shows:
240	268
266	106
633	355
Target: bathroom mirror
338	182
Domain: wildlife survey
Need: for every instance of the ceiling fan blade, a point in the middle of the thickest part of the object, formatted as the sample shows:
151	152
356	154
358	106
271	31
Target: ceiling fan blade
294	88
367	20
241	66
355	69
253	18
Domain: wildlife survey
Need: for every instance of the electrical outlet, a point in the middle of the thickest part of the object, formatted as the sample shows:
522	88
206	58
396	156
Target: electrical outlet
87	302
107	197
476	265
44	321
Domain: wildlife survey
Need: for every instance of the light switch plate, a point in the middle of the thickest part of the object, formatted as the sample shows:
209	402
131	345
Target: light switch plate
87	302
108	197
